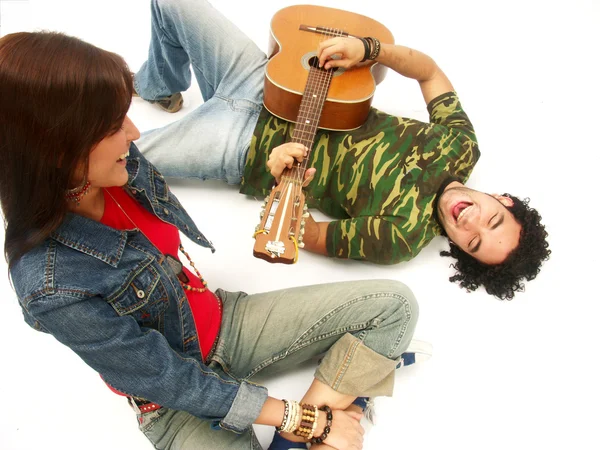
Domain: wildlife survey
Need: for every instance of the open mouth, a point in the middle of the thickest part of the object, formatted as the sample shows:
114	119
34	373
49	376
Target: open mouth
459	210
123	157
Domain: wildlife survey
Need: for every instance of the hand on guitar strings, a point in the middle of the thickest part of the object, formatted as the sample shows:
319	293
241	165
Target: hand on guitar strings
285	156
350	51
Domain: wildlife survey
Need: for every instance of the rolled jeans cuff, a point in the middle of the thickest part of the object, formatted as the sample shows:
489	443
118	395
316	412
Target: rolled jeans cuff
246	407
352	368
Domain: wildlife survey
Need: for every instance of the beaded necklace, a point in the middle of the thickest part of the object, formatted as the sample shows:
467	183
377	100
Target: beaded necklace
173	262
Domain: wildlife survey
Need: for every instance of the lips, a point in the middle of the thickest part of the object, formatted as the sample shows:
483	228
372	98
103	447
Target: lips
458	208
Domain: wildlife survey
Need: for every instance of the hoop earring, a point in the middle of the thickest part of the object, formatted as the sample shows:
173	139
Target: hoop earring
76	194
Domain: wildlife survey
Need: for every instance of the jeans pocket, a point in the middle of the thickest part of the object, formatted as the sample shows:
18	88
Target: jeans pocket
243	105
146	421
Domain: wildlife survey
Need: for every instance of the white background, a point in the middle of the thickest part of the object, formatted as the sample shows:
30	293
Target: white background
518	375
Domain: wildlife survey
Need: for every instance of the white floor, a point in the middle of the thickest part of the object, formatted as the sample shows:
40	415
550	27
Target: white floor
505	375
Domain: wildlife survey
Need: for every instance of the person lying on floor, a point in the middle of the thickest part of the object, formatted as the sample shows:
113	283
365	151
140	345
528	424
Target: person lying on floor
392	184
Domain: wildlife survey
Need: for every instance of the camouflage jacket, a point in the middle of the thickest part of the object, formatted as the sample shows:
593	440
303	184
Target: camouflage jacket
380	180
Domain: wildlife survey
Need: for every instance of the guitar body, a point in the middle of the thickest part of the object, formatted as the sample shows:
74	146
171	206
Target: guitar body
351	91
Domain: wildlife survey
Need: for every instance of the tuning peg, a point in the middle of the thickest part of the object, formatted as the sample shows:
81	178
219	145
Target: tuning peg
305	208
262	213
302	230
301	244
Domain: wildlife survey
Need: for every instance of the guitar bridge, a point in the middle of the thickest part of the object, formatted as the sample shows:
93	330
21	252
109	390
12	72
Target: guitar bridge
275	248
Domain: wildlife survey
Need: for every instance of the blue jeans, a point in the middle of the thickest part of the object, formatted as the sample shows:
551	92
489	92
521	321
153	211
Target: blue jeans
212	141
360	329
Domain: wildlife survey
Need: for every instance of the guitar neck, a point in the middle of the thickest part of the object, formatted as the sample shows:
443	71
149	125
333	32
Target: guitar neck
309	114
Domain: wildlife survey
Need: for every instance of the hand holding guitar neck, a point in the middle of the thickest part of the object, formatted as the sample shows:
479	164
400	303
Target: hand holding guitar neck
285	156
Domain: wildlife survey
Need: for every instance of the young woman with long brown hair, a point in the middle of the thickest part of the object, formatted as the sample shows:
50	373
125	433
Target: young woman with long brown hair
94	252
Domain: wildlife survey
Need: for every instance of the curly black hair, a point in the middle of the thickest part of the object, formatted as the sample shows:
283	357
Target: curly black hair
503	280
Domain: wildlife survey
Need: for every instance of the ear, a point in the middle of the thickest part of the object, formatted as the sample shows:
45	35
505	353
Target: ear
506	201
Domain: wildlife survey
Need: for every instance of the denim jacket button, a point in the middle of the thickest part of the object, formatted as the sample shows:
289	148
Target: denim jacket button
166	211
140	293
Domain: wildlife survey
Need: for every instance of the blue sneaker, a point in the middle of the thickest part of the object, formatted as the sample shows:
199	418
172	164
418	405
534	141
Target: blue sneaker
417	351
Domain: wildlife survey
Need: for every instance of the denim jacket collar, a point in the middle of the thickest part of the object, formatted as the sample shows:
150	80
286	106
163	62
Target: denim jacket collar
107	244
92	238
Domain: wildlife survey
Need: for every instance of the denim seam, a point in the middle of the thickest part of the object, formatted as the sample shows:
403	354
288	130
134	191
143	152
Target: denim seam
231	102
150	426
295	347
217	358
153	175
181	298
49	272
43	293
91	252
402	331
335	311
161	69
291	351
208	83
347	360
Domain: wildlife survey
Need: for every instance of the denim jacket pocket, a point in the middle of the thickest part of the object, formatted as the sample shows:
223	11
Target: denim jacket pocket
144	297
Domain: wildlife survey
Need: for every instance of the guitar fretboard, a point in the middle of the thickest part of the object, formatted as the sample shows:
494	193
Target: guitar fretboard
309	114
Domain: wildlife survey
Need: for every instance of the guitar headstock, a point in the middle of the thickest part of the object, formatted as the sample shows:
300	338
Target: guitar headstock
280	231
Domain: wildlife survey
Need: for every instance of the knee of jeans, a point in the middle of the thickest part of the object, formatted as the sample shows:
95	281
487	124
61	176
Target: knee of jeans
404	300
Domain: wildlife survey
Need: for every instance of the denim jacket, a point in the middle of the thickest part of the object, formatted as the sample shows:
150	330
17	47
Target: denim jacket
112	298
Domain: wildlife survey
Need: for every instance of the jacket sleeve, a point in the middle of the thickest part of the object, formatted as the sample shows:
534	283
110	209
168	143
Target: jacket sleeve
139	361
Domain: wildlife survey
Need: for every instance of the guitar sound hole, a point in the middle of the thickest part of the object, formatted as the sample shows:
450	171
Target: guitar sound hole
314	62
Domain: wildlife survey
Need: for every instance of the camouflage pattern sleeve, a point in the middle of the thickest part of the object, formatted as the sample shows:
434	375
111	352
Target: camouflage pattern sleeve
446	110
374	238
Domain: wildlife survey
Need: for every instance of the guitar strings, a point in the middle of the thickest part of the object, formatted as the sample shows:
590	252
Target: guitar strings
302	128
318	85
318	82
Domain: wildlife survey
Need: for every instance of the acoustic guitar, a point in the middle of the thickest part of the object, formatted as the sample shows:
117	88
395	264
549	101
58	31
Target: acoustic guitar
297	90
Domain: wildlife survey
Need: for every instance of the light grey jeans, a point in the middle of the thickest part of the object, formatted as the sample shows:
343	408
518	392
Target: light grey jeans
210	142
360	329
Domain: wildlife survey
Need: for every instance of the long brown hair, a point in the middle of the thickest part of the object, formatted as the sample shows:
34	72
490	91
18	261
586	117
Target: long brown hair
59	97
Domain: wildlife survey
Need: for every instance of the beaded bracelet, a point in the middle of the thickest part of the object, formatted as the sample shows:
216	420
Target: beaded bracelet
327	429
314	425
375	48
286	415
290	417
294	416
307	421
